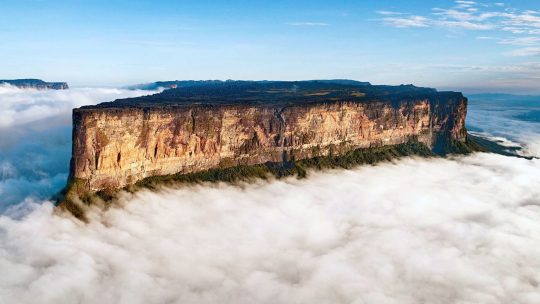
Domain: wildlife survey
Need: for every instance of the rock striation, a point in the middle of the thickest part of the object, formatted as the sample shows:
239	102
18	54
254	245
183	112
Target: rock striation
36	84
227	124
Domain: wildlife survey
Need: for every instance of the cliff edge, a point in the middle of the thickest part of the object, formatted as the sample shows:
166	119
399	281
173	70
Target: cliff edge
241	123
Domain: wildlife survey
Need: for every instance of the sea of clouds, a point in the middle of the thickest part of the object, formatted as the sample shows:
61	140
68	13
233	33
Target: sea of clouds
457	230
512	120
35	138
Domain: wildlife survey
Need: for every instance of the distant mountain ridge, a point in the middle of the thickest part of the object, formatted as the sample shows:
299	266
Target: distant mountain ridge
173	84
36	84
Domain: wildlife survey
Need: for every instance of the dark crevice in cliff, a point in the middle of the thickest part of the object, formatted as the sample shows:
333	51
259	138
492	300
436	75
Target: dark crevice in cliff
142	139
96	160
431	128
250	145
192	114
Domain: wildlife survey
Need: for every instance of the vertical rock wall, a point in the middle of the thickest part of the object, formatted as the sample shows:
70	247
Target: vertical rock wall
117	146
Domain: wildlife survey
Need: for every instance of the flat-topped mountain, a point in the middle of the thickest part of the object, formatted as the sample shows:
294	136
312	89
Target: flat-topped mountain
36	84
220	126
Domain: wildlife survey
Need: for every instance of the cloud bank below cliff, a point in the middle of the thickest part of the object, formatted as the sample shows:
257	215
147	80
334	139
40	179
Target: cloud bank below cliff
437	231
35	137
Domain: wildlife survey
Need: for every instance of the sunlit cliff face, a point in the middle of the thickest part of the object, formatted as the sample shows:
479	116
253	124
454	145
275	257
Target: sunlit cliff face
457	230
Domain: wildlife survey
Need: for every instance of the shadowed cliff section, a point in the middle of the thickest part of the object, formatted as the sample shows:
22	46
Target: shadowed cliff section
242	129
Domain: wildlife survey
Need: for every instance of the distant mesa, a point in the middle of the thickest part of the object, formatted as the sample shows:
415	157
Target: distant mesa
174	84
36	84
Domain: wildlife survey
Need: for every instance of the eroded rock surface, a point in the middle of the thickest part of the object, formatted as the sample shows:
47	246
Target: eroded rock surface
119	143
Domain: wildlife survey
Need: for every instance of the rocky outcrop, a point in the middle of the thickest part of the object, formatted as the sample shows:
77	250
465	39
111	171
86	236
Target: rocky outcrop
36	84
119	143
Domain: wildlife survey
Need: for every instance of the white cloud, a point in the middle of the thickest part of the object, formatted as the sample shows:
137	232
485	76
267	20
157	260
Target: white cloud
530	40
486	38
35	138
389	13
410	21
528	51
465	4
470	15
22	106
417	231
499	118
455	14
465	25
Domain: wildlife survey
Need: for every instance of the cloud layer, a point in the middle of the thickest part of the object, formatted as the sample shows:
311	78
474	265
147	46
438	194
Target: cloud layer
463	230
501	117
24	106
385	234
35	132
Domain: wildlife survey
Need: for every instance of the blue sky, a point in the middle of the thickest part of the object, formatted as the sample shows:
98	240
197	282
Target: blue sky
464	45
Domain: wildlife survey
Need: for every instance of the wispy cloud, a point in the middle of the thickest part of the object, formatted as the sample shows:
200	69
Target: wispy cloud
409	21
35	138
463	24
389	13
465	4
531	40
528	51
486	38
474	16
308	24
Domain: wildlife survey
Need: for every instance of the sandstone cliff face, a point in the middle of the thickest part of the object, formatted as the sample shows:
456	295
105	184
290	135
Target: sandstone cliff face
117	146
